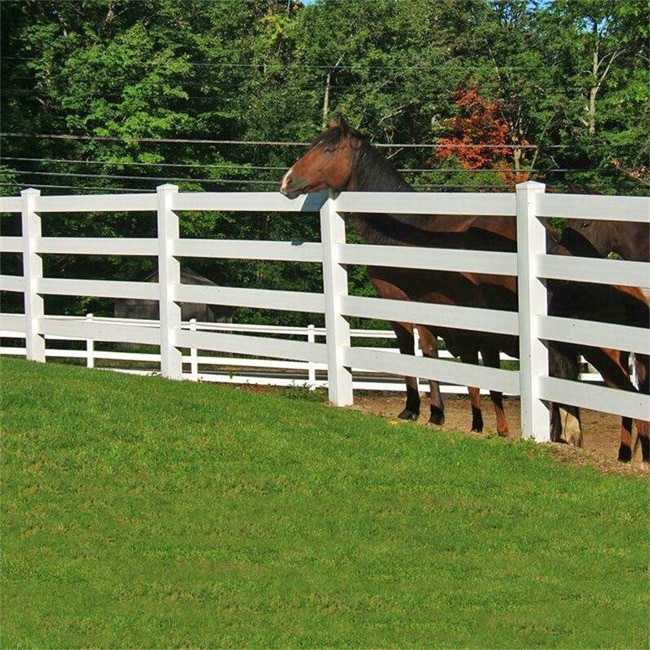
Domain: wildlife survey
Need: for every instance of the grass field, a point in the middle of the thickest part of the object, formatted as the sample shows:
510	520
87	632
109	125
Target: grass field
139	512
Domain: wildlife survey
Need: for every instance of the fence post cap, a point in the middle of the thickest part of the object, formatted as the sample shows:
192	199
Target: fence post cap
30	191
167	187
531	185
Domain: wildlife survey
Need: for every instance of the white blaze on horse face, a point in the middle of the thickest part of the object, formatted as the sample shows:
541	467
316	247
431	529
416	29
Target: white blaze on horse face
285	181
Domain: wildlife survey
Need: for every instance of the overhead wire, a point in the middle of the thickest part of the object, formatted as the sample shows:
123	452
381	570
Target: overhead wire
343	67
275	143
241	168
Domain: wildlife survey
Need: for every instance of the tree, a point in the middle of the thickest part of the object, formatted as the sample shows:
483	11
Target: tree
602	76
478	137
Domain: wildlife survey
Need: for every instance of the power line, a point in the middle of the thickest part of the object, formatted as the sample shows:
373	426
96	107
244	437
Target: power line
276	143
275	65
107	138
160	179
273	186
198	167
94	188
145	164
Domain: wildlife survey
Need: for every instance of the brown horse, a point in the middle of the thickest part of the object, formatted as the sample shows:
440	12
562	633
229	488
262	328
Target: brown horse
630	241
599	238
341	159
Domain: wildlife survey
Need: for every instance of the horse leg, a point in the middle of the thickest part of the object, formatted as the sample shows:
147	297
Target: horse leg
491	358
429	347
566	426
471	357
643	438
406	344
641	363
477	413
615	372
625	451
614	369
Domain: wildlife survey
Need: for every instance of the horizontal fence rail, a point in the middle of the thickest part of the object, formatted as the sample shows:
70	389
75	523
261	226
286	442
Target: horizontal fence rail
198	366
322	357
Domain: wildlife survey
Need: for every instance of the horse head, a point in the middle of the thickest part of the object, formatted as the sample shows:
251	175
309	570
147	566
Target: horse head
328	164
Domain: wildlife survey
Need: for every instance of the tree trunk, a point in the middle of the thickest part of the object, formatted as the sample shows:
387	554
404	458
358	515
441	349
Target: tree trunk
593	91
326	99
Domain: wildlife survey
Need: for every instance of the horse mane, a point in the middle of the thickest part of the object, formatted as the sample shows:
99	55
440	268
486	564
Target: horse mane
373	172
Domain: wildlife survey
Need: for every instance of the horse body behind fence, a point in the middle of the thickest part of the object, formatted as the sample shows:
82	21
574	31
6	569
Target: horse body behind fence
141	308
629	241
599	238
342	159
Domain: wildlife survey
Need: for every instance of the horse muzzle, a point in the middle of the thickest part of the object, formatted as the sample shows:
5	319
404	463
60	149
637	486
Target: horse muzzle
292	187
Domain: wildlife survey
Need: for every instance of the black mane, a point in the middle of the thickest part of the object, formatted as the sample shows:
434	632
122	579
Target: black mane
372	172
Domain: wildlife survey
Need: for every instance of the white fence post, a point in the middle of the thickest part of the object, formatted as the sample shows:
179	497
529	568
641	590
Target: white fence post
194	355
33	273
169	277
90	346
531	242
335	286
311	366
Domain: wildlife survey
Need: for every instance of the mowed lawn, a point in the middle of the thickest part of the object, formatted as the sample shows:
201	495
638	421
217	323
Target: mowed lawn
144	513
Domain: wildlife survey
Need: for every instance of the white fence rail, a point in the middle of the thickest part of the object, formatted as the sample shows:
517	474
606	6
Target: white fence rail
237	370
337	354
229	369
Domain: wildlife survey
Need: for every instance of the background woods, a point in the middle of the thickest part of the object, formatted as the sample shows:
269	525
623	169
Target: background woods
114	95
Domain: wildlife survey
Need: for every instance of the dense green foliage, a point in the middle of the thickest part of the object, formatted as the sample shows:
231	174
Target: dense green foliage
139	512
121	76
108	95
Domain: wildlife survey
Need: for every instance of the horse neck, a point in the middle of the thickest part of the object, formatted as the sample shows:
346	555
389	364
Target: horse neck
635	245
373	173
576	244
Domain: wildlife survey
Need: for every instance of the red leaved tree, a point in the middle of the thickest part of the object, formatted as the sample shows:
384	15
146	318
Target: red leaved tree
479	137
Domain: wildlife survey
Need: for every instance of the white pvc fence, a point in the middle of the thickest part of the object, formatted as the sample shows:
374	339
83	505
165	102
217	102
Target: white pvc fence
337	354
229	369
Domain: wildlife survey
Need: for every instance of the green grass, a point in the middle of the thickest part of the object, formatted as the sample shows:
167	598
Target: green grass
139	512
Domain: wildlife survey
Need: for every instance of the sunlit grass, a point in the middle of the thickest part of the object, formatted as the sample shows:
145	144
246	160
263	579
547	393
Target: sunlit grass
138	512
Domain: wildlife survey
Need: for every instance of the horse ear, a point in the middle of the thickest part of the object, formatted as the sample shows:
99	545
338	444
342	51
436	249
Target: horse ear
332	123
345	127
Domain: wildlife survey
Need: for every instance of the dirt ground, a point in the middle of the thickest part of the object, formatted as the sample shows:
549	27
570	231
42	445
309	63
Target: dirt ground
600	430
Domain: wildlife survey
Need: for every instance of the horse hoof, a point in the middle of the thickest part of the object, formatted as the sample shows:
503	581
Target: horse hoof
624	454
407	414
437	416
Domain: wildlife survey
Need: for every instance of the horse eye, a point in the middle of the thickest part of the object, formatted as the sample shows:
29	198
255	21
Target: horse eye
584	224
